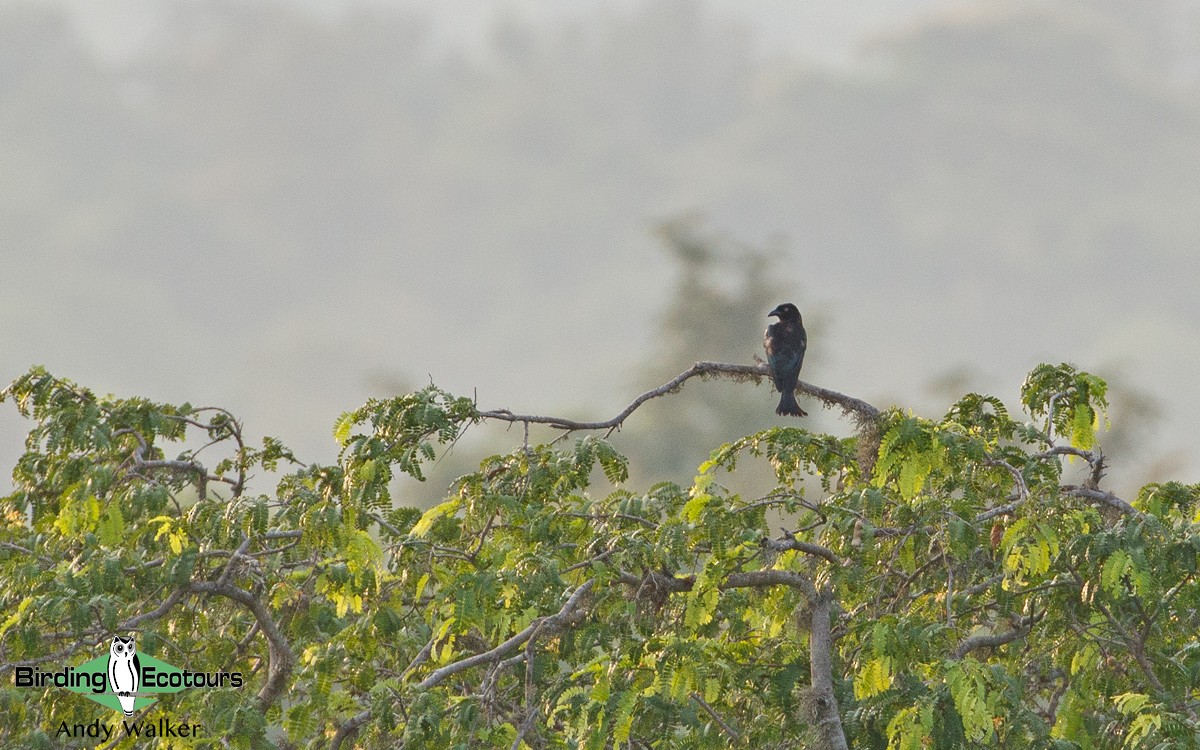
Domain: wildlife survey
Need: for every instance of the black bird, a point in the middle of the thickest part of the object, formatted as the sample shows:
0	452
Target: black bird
785	342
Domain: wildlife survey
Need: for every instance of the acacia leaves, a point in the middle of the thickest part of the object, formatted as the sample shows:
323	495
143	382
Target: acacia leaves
1071	402
793	453
399	434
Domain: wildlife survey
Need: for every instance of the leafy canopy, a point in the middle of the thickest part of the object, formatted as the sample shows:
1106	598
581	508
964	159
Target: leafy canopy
920	583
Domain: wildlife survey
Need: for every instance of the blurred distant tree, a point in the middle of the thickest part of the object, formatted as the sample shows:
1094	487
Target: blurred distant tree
939	585
722	289
717	309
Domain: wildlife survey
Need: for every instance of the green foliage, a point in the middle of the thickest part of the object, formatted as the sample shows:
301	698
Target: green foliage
1071	401
977	602
400	432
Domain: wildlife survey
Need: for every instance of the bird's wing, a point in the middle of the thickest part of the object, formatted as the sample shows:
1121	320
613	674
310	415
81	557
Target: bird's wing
785	352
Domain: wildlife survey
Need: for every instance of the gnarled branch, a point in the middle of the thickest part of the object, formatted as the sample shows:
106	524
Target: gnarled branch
139	461
281	660
1105	497
859	409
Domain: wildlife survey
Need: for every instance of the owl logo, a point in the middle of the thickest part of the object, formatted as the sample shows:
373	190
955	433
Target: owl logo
124	672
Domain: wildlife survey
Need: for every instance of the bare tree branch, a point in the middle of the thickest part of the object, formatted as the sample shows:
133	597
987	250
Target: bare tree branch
1065	450
1095	459
858	408
175	597
531	709
132	623
771	577
351	725
999	510
18	548
823	701
229	565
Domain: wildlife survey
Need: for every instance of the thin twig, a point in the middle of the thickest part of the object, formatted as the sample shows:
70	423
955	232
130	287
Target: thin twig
1018	478
733	734
19	548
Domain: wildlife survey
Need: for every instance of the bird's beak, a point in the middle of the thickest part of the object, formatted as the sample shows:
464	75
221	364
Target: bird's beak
776	313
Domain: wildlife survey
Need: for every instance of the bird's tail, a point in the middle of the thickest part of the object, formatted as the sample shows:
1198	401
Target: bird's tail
788	406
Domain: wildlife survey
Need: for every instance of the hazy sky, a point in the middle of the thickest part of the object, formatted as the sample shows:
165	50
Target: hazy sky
284	212
821	29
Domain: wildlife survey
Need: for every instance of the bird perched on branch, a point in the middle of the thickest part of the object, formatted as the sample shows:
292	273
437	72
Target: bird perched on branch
785	343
